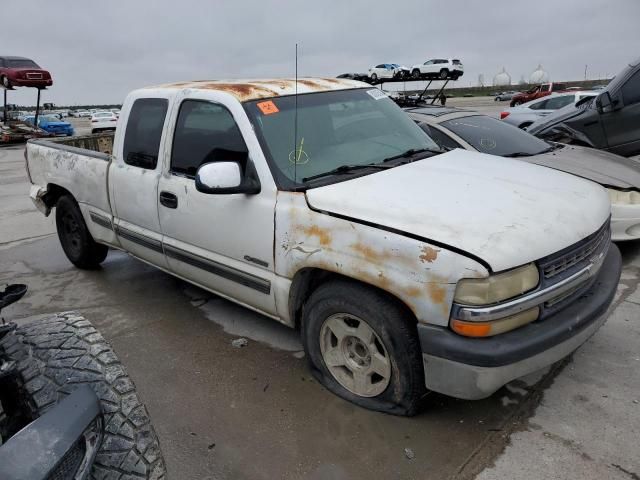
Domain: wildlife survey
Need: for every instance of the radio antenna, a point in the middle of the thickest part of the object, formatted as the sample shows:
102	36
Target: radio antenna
295	126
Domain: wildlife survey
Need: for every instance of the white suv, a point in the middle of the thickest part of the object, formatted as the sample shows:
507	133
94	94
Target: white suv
441	68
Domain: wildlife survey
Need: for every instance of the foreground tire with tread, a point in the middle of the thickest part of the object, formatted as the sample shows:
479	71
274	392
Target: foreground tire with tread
76	240
59	353
363	346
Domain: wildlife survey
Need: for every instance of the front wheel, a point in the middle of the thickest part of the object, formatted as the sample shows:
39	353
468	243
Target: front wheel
444	74
363	347
515	103
76	240
415	73
5	82
374	77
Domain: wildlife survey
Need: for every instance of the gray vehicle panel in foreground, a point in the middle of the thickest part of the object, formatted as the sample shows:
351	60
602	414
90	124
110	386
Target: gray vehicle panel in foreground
37	450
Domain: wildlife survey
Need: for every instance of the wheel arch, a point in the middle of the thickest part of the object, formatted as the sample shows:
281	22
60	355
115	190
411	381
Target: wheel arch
54	192
309	279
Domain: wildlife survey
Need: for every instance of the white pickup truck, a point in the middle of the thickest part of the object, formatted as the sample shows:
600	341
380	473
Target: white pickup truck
320	204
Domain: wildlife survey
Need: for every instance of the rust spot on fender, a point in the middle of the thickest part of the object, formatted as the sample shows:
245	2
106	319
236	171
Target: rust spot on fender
369	253
428	254
323	236
437	293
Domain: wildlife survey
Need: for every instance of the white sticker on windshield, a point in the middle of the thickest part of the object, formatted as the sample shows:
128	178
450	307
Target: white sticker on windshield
377	93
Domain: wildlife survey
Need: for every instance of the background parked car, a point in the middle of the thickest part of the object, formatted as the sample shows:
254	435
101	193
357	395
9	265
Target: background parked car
387	70
452	128
439	68
51	124
502	96
524	115
609	122
536	92
101	121
84	114
22	72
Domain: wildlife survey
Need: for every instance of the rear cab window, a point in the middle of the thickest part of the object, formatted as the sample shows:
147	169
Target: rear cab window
144	132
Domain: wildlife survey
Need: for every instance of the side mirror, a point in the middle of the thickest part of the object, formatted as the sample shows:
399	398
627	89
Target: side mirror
605	104
220	178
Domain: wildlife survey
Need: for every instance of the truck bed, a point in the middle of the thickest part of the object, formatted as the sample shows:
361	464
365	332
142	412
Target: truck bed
99	142
79	165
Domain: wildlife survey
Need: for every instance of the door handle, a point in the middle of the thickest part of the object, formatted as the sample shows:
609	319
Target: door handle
168	199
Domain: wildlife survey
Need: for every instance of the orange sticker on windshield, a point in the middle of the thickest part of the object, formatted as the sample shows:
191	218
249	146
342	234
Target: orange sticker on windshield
268	107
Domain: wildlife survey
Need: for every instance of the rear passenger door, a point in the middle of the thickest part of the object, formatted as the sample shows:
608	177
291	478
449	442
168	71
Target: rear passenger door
222	242
133	180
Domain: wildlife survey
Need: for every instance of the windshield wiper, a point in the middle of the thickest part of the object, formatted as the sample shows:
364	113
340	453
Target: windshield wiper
411	152
519	154
345	169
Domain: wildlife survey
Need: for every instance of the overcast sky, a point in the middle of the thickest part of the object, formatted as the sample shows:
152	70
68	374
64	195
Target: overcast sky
98	51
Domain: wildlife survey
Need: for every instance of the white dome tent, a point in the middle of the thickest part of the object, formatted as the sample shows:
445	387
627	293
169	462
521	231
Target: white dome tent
539	76
502	79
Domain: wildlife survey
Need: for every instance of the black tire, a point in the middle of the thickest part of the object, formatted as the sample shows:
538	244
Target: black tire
374	77
416	73
394	327
65	350
444	73
5	82
76	240
515	103
524	125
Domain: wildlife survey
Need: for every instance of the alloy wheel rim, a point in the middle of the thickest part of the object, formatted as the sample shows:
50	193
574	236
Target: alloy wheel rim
354	355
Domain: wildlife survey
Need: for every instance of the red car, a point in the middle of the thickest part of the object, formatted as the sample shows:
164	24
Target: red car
536	92
22	72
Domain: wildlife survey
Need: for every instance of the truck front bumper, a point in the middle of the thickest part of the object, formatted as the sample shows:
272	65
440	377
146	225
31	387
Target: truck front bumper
474	368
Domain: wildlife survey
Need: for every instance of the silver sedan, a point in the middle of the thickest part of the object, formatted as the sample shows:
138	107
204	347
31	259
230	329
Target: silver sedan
524	115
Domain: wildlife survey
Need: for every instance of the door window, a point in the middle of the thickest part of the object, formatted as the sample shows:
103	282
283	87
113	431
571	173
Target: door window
555	103
545	88
540	105
205	132
144	131
631	89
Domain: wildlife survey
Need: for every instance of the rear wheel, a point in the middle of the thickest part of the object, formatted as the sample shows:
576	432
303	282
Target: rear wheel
55	356
363	347
76	240
5	82
415	73
515	103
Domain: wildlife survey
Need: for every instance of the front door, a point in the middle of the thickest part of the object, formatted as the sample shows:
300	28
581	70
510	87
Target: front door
133	180
221	242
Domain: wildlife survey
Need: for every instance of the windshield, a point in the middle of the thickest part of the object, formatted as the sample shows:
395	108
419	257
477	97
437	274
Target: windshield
489	135
22	63
334	129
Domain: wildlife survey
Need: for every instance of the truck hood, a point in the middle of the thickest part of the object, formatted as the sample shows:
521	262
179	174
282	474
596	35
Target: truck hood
504	211
598	166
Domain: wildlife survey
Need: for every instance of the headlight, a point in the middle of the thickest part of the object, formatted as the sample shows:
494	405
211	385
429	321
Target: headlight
497	288
618	197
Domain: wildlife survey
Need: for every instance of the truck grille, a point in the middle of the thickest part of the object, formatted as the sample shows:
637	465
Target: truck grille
576	254
565	263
